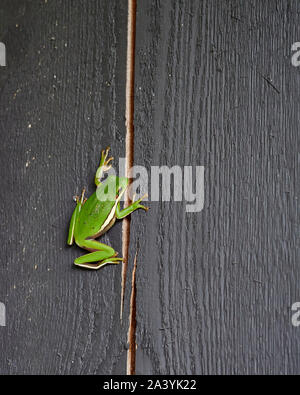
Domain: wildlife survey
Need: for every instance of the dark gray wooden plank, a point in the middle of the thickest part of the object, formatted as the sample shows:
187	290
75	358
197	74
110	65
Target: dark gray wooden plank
215	289
62	101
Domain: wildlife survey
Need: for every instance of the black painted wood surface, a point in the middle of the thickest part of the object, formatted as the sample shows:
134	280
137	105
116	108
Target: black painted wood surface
215	288
214	87
62	101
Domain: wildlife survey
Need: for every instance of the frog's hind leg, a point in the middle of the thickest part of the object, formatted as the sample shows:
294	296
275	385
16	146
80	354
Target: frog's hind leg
100	256
93	266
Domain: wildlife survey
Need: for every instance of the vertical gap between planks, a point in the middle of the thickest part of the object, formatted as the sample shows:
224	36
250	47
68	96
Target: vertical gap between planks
131	34
131	354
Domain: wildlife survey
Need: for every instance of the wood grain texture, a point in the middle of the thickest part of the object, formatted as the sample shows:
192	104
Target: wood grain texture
215	87
62	101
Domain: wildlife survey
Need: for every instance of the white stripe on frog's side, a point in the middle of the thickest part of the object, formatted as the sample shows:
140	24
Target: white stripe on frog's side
110	220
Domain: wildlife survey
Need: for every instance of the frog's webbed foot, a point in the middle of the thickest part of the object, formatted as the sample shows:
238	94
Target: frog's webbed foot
104	161
82	198
105	165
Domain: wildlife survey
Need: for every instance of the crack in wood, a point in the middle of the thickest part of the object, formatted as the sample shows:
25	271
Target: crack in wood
131	34
131	354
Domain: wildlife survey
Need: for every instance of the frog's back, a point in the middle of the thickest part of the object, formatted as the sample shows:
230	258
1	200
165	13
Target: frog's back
92	216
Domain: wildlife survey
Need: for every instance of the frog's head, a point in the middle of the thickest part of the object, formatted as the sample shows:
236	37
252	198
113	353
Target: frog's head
112	189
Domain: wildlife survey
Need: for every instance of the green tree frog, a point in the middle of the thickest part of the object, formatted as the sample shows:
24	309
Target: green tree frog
94	216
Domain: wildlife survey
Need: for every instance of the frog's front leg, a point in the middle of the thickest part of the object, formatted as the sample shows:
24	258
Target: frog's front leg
120	214
104	166
101	253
